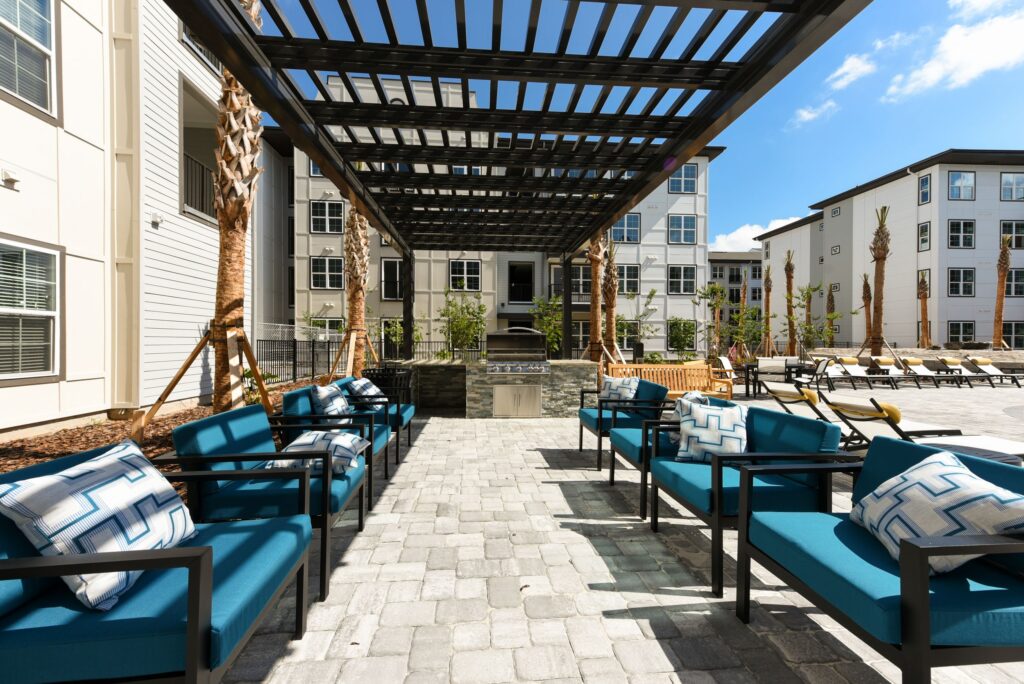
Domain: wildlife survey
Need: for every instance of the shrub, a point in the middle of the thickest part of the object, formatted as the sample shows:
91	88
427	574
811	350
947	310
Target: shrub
654	357
975	345
955	346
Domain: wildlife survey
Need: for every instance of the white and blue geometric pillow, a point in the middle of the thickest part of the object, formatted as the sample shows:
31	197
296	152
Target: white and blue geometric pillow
619	388
693	397
938	497
332	402
361	387
706	430
114	502
344	447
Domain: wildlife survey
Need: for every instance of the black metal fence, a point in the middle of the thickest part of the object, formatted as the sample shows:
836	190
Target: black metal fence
292	360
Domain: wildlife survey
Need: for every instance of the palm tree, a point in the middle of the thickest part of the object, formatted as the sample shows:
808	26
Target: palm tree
714	295
922	296
865	298
357	263
238	148
790	313
610	291
879	253
595	254
766	339
830	310
1002	270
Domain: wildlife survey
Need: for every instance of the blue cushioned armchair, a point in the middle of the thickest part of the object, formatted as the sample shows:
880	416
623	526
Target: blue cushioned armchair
647	404
974	614
711	490
243	439
186	618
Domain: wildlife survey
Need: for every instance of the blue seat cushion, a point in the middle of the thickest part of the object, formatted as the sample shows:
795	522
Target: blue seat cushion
771	431
650	391
691	481
628	442
56	638
975	605
268	498
588	416
240	431
398	415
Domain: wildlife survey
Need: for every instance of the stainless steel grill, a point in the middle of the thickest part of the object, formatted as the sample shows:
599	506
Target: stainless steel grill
517	350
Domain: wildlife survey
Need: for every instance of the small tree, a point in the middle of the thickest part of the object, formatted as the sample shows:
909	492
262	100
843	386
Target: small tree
463	320
879	253
682	337
1002	271
830	309
394	332
865	299
547	318
745	331
768	348
807	330
643	309
789	269
714	296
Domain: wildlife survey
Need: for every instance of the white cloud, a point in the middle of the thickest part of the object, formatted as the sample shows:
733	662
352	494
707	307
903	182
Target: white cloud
809	114
895	41
973	8
964	54
743	239
853	68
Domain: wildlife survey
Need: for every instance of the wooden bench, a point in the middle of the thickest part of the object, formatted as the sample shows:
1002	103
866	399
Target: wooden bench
679	378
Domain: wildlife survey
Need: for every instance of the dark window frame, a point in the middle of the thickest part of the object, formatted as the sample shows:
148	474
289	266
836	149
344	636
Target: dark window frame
973	282
926	179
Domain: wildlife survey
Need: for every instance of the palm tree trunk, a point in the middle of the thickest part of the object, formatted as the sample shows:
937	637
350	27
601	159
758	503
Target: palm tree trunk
865	298
879	254
357	263
610	292
238	148
1002	271
596	256
790	313
766	341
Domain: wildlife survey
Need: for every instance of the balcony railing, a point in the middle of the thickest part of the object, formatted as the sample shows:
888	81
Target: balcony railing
204	52
555	290
197	187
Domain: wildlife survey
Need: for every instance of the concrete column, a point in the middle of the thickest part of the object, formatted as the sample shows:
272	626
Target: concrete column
408	303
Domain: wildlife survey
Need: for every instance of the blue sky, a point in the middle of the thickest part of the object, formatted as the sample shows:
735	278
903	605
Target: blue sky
904	80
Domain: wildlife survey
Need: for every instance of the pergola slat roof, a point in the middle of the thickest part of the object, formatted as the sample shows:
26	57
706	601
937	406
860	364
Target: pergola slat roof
496	125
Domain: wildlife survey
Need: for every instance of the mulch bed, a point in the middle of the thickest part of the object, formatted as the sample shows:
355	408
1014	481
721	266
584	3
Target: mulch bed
21	453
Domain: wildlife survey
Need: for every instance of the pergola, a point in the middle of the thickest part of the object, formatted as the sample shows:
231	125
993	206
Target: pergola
562	120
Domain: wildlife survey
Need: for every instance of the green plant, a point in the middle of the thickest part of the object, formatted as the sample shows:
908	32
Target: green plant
249	389
463	320
682	336
745	329
394	332
654	357
714	296
547	318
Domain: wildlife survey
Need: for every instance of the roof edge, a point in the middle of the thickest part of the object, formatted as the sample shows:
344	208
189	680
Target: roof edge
790	226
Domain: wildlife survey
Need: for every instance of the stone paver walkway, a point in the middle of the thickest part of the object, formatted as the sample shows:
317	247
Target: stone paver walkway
497	553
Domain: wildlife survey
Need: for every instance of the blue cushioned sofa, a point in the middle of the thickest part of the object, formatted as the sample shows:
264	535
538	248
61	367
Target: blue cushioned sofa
243	439
186	618
711	490
974	614
647	404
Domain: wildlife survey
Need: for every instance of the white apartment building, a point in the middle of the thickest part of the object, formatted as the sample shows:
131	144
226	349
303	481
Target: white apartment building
729	269
107	246
946	216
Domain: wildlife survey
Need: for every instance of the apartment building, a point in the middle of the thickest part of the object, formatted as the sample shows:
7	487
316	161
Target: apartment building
731	270
946	216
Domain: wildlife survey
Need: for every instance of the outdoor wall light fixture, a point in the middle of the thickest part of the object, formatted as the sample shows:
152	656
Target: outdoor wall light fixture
156	219
9	178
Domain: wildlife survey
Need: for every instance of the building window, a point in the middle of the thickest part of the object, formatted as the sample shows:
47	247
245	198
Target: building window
629	278
685	329
755	294
326	216
192	41
198	141
960	331
961	185
1011	187
683	180
755	272
629	334
314	169
1015	229
29	302
734	295
331	325
835	250
961	234
327	273
821	227
767	251
1015	282
924	189
961	282
580	281
682	280
718	271
291	186
821	260
682	229
927	274
835	287
291	286
26	50
580	334
1013	334
835	211
391	279
627	229
735	275
924	236
464	275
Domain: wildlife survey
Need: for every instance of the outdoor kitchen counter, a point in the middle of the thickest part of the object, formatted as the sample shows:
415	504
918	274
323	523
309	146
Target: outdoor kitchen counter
559	390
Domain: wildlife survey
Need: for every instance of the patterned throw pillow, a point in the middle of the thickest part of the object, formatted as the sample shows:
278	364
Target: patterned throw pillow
938	497
619	388
706	430
361	387
344	447
332	402
116	501
693	397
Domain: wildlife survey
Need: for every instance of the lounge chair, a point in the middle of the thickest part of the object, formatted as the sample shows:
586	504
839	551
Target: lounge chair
887	366
857	373
648	403
916	366
804	402
726	371
988	368
956	367
824	371
974	614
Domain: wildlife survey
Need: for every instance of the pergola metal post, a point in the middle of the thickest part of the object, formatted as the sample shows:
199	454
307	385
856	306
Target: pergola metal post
567	306
408	304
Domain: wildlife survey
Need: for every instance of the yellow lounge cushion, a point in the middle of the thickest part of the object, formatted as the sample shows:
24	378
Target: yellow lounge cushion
868	411
950	361
912	361
981	361
785	392
883	361
849	360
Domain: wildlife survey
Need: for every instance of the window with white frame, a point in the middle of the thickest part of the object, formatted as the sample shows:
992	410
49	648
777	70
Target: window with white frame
629	278
961	185
960	331
334	325
26	50
924	189
755	272
1015	282
683	180
326	216
580	334
327	273
581	280
1014	229
314	169
767	251
961	234
961	282
717	271
682	280
464	275
682	229
1011	187
755	294
390	279
29	306
627	229
629	334
924	236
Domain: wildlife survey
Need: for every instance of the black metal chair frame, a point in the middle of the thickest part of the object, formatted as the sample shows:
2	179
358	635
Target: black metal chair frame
647	424
326	520
370	413
716	519
896	379
863	440
915	655
602	405
1002	378
198	561
961	373
404	393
